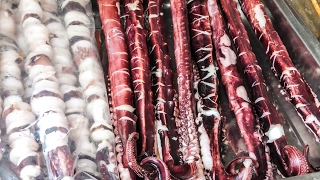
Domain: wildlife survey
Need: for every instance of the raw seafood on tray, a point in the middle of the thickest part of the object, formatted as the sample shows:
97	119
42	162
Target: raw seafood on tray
182	93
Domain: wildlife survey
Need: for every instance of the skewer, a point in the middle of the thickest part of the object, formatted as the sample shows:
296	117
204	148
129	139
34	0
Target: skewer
17	114
77	17
51	122
84	151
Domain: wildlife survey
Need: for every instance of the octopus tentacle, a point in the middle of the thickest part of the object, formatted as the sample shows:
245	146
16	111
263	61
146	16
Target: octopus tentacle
205	77
131	155
158	164
163	171
299	92
272	125
237	95
186	103
231	172
119	73
295	161
162	83
141	75
232	167
178	171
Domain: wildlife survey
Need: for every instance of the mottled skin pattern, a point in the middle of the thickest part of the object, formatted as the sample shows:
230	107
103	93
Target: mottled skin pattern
161	71
141	75
206	86
218	31
297	89
161	77
119	74
265	109
238	98
187	128
213	129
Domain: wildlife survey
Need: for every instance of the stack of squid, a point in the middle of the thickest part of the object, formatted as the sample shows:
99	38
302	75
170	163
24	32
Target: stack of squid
166	109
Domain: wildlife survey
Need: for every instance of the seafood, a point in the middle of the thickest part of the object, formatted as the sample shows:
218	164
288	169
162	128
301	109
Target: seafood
237	94
141	75
16	114
186	102
119	75
297	89
85	150
206	86
164	94
51	122
141	81
78	23
206	92
270	120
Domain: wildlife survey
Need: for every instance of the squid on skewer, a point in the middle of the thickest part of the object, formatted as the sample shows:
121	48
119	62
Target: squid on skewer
52	124
84	150
16	114
78	22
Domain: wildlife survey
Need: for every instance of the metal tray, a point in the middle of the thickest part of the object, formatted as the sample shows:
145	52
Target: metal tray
304	49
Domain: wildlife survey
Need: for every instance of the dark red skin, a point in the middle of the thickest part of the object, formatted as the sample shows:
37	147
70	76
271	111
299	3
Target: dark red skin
60	155
200	32
119	74
159	166
162	85
186	101
163	89
298	94
258	86
139	63
203	58
220	173
243	110
213	128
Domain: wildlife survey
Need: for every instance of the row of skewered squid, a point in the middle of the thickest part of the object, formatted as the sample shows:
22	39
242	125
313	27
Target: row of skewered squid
84	150
52	123
54	96
91	79
16	114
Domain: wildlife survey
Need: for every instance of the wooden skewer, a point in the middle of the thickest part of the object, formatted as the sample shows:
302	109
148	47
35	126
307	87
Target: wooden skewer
316	6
